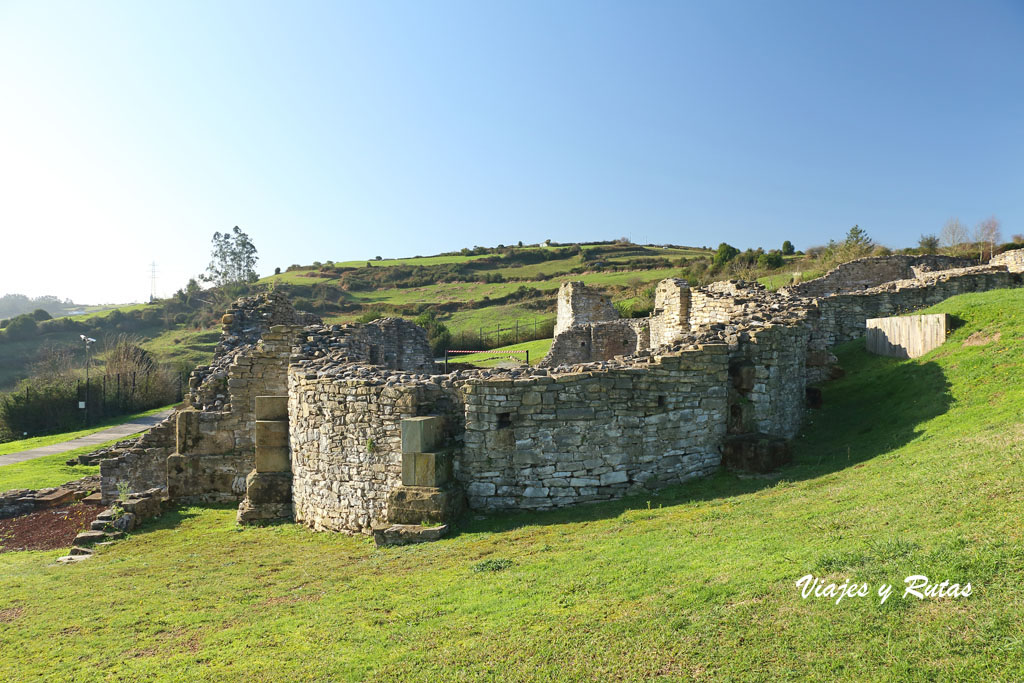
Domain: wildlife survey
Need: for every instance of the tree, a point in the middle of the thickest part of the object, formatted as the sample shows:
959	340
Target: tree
857	243
787	248
954	234
1018	238
987	233
726	252
928	244
234	259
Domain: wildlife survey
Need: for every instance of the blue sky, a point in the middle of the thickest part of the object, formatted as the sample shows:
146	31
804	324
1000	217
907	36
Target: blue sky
130	131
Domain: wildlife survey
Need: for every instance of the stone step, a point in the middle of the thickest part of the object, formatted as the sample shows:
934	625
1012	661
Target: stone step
77	550
88	538
68	559
98	525
93	499
403	534
56	498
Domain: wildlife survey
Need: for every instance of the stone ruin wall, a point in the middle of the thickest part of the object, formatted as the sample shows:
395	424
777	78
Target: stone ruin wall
544	442
768	379
1013	260
221	396
604	340
872	271
215	449
536	442
577	305
671	314
841	318
205	453
142	465
346	446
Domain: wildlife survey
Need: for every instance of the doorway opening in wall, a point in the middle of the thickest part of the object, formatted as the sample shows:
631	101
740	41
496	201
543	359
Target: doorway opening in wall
374	354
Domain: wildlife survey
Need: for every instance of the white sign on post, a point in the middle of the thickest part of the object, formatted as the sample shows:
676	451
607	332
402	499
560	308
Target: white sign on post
81	405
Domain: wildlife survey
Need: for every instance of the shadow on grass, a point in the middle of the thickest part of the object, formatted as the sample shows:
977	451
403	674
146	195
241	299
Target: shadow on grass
174	515
876	408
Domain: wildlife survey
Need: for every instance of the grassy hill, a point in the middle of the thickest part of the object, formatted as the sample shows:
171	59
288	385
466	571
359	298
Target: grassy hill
912	467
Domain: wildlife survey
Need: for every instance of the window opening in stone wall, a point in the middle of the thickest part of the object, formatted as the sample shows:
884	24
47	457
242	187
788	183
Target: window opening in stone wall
374	354
504	420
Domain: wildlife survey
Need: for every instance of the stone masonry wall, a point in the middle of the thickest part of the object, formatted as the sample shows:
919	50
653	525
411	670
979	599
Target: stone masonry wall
1013	260
577	305
142	465
215	449
346	445
545	442
872	271
599	341
671	315
771	398
842	317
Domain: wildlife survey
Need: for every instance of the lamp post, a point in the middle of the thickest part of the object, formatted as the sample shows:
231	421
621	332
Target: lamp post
88	341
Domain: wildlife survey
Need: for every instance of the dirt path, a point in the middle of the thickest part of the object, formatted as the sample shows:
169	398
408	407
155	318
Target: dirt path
119	431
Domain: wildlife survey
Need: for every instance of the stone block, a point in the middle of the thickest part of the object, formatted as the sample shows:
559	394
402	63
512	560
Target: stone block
272	459
426	469
268	487
419	504
271	433
272	408
422	434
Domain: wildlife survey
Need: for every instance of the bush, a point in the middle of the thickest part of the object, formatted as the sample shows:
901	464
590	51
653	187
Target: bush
22	327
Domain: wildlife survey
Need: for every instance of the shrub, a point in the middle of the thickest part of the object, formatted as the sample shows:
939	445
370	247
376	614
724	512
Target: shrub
22	327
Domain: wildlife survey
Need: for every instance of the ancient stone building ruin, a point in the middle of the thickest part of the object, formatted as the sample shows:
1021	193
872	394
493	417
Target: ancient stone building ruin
353	427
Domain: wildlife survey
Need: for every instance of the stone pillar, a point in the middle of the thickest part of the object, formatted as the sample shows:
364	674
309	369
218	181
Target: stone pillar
268	488
671	315
428	500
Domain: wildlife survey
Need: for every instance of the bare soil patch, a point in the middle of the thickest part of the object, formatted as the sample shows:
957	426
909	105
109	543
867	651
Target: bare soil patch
9	614
980	339
46	529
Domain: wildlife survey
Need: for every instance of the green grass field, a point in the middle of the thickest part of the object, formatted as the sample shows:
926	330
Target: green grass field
488	359
912	467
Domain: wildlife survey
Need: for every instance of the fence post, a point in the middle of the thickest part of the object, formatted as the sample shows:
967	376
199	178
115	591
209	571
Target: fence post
446	361
517	332
527	357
